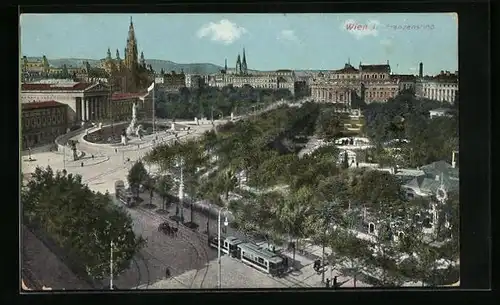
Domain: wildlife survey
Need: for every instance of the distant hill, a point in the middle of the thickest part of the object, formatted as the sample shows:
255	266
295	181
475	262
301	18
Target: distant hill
157	64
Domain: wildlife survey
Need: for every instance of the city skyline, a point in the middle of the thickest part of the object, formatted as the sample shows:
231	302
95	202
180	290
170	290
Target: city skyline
271	41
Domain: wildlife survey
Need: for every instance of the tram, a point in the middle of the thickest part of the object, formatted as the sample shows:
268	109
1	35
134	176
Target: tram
252	255
262	259
228	245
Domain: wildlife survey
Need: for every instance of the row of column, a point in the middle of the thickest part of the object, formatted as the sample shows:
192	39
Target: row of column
94	108
329	95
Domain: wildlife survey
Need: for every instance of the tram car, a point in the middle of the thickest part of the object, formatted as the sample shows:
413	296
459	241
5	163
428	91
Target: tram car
252	255
261	259
228	245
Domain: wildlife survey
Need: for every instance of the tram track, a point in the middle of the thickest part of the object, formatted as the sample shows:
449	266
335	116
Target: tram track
185	235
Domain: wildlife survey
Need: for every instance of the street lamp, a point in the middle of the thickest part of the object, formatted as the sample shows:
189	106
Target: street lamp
218	241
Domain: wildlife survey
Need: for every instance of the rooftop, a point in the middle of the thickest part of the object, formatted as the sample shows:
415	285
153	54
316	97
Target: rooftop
128	95
375	68
62	86
348	68
404	77
41	105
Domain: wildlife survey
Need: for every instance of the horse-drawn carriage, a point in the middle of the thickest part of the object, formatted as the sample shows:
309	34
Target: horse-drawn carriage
167	229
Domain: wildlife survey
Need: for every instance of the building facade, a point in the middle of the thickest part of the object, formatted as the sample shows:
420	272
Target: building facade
173	81
195	81
85	101
42	122
442	87
241	76
35	65
371	83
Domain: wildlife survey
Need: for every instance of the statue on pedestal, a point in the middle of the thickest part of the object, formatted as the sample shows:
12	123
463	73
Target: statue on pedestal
131	127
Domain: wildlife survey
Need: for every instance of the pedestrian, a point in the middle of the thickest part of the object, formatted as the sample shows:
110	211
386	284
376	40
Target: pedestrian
81	164
327	283
357	164
116	150
167	272
334	284
92	156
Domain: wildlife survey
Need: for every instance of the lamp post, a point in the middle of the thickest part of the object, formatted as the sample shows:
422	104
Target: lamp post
218	246
64	157
181	190
111	265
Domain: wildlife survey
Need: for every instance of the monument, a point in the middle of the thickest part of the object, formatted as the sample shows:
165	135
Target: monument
232	116
124	138
132	129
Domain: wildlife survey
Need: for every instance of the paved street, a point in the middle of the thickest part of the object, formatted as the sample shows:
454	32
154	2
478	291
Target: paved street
187	256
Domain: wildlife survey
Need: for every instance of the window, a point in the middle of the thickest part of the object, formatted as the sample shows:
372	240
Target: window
371	228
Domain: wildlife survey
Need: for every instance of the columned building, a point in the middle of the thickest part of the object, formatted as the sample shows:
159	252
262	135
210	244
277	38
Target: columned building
85	101
371	83
332	92
442	87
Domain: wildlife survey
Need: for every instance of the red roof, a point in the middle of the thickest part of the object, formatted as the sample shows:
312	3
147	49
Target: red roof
124	96
375	68
39	105
54	87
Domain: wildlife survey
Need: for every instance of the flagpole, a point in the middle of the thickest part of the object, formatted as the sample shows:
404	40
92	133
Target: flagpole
154	125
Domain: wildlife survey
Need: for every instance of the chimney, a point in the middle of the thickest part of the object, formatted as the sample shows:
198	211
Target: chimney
442	72
421	70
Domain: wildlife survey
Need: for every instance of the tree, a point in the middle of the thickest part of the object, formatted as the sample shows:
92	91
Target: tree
226	182
345	160
136	176
328	125
352	251
149	185
322	223
293	213
79	220
164	186
379	190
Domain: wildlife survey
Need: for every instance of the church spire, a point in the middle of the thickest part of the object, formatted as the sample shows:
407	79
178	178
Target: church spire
238	65
131	56
244	63
117	54
143	61
109	54
225	65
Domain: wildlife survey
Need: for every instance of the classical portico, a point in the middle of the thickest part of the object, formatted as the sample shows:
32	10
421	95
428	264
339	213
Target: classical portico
331	94
86	101
92	108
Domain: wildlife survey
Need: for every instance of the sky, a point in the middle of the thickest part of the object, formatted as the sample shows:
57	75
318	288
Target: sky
271	41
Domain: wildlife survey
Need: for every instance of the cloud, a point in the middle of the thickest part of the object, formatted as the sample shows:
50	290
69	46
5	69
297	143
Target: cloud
388	45
360	29
288	35
223	31
386	42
